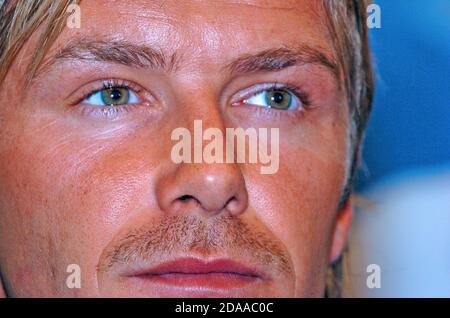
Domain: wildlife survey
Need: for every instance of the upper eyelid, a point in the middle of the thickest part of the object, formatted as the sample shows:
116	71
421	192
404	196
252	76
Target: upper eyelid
90	89
258	88
262	87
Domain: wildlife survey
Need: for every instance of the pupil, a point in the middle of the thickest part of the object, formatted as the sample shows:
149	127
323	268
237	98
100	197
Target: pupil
277	97
115	94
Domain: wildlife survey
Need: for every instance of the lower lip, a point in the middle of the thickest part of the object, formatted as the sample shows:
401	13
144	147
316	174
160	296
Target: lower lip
201	280
220	274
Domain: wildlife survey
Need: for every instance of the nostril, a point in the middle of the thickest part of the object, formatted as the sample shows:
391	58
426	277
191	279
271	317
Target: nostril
185	203
185	198
237	204
230	200
188	199
216	206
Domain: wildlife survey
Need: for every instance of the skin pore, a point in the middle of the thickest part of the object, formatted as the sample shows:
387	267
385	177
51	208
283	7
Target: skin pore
94	185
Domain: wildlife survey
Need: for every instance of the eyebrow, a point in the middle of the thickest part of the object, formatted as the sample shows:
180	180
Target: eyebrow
280	58
114	51
143	56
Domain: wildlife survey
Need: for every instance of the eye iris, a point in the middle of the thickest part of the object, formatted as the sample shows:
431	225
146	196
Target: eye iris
115	96
278	99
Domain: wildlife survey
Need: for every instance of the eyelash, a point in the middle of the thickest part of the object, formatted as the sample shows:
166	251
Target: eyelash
108	84
302	95
298	92
110	111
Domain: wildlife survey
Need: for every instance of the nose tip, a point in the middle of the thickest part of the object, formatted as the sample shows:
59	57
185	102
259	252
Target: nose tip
212	188
224	192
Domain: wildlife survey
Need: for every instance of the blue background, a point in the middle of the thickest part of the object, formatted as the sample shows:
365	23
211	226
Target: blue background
410	125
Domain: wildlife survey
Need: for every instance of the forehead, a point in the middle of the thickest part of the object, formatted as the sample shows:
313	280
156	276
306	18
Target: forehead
205	29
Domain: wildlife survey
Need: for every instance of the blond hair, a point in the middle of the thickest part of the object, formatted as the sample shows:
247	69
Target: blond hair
19	19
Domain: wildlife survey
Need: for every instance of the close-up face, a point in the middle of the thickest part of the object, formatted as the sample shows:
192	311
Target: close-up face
88	175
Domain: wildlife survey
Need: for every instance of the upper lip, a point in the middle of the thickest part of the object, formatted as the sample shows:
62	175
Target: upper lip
192	266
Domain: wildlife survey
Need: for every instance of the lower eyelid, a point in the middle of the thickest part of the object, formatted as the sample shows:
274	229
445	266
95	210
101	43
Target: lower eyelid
111	113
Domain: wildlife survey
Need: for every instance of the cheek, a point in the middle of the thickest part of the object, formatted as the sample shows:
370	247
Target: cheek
299	208
300	201
68	194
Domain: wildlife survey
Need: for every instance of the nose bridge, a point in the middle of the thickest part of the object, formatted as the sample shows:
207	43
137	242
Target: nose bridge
200	100
211	187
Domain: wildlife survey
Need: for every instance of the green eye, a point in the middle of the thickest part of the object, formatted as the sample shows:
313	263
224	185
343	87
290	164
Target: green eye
278	99
112	96
115	96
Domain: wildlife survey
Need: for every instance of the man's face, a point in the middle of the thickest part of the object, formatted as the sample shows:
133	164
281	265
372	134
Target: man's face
95	185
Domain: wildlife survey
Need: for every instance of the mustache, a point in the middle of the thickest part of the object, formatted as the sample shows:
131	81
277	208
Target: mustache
193	234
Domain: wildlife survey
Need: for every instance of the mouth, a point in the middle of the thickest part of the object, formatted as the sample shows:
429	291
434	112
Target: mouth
199	273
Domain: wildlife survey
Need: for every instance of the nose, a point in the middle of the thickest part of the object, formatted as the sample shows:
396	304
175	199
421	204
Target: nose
199	186
211	188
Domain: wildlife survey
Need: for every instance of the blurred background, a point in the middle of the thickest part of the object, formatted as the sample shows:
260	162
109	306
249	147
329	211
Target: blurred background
404	227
